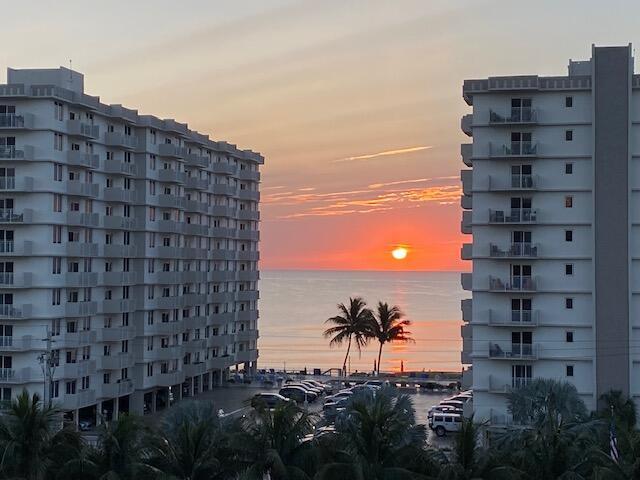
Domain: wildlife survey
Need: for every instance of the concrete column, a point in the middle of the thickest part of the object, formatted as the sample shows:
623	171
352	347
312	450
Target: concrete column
99	413
76	417
116	408
153	401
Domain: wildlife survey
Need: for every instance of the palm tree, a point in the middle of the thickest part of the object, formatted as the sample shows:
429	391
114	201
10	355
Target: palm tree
32	442
380	439
271	443
388	326
353	324
190	444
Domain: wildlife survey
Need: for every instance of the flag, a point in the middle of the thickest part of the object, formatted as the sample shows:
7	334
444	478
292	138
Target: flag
613	442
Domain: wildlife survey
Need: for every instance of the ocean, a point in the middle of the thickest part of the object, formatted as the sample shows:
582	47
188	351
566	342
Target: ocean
295	304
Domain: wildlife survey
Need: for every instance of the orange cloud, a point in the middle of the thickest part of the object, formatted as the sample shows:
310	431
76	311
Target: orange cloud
386	153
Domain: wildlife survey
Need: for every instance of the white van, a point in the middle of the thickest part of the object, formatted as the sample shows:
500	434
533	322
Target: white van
441	423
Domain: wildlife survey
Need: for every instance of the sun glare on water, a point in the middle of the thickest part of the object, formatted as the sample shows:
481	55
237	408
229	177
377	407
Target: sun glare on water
399	253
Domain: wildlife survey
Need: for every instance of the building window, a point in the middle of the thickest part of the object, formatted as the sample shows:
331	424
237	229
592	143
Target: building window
569	336
569	370
568	102
568	135
568	168
568	201
568	269
568	235
568	303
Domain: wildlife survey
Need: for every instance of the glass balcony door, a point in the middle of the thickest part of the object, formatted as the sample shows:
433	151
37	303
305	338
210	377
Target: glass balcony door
521	310
521	375
521	176
521	343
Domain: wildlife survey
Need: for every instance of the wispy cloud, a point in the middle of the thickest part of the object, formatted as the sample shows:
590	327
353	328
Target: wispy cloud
399	151
415	180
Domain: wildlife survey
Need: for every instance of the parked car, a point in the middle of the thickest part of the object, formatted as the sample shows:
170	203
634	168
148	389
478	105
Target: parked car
453	403
364	387
312	386
85	425
339	395
270	400
327	387
299	394
442	409
307	387
442	423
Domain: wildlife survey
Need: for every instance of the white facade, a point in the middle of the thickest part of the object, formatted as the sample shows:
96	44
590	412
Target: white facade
128	251
530	204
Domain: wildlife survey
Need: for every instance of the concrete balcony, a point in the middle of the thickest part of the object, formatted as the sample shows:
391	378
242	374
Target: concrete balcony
120	140
222	211
164	328
193	229
13	121
119	167
74	339
12	153
248	295
80	309
195	183
247	255
246	194
170	226
171	176
503	385
466	252
515	250
223	168
78	159
249	215
194	369
513	216
118	306
13	248
81	399
115	390
248	275
115	334
119	278
170	201
466	151
195	206
466	305
20	343
15	311
246	356
83	219
513	183
465	224
81	189
221	275
16	184
20	375
77	128
220	297
514	150
77	369
466	202
162	354
220	341
171	150
513	351
168	379
513	318
112	250
164	303
118	195
514	284
196	160
81	279
466	332
163	278
165	252
220	362
247	315
466	124
246	335
252	235
116	222
466	279
193	277
223	189
10	216
191	323
195	345
194	299
195	253
250	175
517	116
220	232
115	361
77	249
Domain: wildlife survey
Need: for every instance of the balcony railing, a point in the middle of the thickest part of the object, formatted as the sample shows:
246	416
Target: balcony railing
11	153
513	351
517	115
515	284
505	385
514	149
513	318
515	215
515	250
12	120
524	182
8	215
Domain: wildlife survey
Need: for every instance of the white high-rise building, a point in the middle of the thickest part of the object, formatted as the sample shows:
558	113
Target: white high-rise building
128	252
553	203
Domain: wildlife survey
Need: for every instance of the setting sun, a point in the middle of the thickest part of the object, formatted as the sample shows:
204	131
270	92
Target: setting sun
399	253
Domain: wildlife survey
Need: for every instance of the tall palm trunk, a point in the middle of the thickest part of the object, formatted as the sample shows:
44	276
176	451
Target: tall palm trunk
379	356
344	364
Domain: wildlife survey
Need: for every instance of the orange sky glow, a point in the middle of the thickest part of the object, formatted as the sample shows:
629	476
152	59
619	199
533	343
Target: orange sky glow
355	104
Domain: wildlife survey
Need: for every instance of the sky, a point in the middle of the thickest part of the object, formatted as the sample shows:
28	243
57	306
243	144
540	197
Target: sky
355	105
